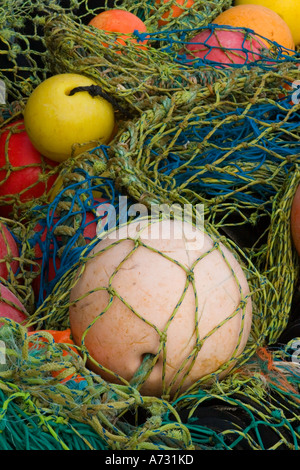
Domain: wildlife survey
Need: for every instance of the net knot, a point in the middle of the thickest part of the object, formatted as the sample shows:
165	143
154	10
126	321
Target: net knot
190	276
163	336
277	414
112	291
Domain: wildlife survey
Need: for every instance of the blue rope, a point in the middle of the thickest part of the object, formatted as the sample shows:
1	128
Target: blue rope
173	42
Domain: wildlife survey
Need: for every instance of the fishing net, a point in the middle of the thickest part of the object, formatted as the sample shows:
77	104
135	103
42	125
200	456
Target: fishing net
189	132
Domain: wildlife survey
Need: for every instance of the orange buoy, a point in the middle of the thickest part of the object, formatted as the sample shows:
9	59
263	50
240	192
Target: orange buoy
261	20
120	21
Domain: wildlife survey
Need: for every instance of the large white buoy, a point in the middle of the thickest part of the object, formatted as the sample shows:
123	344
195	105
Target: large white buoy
190	302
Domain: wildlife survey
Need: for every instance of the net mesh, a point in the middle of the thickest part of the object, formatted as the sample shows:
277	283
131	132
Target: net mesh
189	132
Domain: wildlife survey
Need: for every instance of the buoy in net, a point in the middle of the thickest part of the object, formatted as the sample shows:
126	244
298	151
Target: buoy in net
153	292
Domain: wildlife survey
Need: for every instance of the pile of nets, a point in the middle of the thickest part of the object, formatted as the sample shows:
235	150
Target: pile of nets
223	137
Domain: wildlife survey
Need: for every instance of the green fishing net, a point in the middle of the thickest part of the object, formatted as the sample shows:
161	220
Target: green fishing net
225	138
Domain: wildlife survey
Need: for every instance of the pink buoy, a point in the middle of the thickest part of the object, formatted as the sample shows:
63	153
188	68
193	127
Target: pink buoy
225	46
